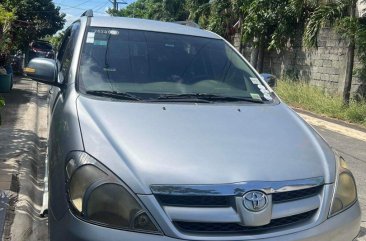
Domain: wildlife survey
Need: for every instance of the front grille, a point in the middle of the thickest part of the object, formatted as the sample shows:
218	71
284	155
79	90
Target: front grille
228	228
295	195
226	201
194	201
222	211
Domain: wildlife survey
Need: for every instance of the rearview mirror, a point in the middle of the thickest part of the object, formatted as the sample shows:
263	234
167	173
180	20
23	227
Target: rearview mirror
42	70
271	80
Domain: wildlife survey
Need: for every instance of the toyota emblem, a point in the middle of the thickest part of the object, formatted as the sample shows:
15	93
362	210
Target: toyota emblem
255	201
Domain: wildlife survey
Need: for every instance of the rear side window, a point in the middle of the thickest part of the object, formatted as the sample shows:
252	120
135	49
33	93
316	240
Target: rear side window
66	51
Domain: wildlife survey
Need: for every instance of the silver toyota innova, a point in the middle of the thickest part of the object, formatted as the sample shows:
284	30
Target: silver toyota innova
164	132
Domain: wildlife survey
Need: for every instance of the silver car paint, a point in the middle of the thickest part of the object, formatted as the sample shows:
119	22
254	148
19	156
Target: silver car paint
150	25
184	144
64	134
193	144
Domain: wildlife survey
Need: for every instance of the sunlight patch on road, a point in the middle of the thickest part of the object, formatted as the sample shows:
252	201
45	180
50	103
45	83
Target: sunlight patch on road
359	135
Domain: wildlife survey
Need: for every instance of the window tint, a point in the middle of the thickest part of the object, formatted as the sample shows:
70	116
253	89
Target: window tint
67	50
63	45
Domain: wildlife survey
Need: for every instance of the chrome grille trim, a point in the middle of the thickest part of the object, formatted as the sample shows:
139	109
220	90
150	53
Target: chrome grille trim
230	228
204	215
204	205
170	229
236	189
281	210
229	215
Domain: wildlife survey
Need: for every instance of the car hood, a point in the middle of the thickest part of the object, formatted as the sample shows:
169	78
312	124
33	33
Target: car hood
159	143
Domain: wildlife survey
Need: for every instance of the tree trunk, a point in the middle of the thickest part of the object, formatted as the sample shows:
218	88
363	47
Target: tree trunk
241	44
254	54
349	72
350	61
261	56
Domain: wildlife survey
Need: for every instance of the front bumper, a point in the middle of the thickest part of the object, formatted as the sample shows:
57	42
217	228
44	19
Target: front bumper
342	227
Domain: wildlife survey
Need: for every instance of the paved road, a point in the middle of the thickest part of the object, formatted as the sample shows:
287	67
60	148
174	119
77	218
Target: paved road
22	153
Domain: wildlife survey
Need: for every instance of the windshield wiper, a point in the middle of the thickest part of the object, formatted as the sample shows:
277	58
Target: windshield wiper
113	94
208	97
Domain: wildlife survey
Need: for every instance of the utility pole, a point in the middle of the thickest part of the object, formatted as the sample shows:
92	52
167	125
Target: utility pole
116	3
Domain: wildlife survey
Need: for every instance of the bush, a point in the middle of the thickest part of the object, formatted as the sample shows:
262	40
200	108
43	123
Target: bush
301	95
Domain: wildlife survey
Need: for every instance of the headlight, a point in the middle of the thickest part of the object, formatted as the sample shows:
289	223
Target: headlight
96	195
345	194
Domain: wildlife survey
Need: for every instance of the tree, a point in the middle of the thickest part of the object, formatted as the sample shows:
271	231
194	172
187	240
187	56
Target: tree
341	15
196	9
55	40
218	16
163	10
270	24
34	20
6	19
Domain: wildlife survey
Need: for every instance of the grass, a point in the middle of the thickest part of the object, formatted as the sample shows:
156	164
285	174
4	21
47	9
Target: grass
302	95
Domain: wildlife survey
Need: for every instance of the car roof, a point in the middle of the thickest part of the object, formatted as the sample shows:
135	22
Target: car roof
150	25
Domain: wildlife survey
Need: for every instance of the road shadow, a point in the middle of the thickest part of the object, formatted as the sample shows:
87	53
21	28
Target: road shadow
362	233
24	93
24	152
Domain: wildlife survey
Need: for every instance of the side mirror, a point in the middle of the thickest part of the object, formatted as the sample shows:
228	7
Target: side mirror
271	80
42	70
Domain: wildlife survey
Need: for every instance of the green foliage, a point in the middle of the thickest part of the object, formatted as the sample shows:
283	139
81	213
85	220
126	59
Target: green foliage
273	21
361	51
55	40
6	18
167	10
35	19
302	95
222	17
332	13
218	15
198	8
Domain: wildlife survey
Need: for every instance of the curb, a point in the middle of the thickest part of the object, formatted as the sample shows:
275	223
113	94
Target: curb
329	119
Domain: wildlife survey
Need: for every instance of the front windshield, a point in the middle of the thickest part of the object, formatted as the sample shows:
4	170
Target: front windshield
150	64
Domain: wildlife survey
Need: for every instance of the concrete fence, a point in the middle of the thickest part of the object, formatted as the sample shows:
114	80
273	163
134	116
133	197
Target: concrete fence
324	67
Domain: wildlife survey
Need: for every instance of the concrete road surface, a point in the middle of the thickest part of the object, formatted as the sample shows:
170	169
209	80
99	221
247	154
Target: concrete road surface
23	136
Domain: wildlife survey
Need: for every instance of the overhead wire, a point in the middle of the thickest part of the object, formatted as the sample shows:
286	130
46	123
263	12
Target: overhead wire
67	7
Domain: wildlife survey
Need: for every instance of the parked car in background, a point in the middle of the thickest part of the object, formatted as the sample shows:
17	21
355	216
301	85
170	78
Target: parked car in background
41	48
164	132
